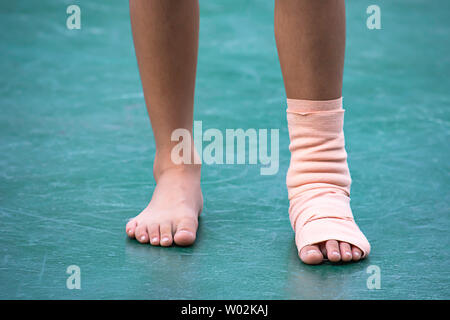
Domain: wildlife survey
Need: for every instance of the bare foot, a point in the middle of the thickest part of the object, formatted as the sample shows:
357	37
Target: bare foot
334	250
172	214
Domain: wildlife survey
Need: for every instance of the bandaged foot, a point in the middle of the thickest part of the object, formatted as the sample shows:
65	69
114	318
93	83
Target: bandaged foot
318	182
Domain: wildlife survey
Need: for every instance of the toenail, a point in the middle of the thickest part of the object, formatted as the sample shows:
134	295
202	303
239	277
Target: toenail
185	231
311	252
142	238
165	239
335	253
155	239
357	254
130	231
348	254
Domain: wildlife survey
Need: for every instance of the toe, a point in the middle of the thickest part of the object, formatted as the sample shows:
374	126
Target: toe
323	248
141	234
186	232
131	227
153	234
332	247
311	254
346	251
166	234
356	253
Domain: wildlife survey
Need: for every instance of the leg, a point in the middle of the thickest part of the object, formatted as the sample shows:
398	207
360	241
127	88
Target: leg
310	38
165	34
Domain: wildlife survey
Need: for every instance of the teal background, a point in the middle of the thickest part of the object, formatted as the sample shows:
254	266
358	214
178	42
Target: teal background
76	153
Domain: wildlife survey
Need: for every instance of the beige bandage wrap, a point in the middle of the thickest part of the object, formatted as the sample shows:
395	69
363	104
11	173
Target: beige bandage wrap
318	179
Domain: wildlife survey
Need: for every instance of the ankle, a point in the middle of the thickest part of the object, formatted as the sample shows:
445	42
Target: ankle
163	165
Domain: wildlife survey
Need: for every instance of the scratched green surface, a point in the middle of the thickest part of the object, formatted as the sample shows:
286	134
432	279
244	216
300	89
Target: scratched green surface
76	155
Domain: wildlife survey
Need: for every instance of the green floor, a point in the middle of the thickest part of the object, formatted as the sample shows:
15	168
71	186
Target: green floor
76	156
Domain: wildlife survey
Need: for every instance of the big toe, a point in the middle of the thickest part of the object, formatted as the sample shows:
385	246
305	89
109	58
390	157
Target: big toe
186	232
311	255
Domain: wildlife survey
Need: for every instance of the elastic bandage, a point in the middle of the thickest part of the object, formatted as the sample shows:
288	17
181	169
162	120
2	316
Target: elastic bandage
318	179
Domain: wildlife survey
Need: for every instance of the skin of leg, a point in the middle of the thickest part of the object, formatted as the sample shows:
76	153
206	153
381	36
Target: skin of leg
165	34
310	37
